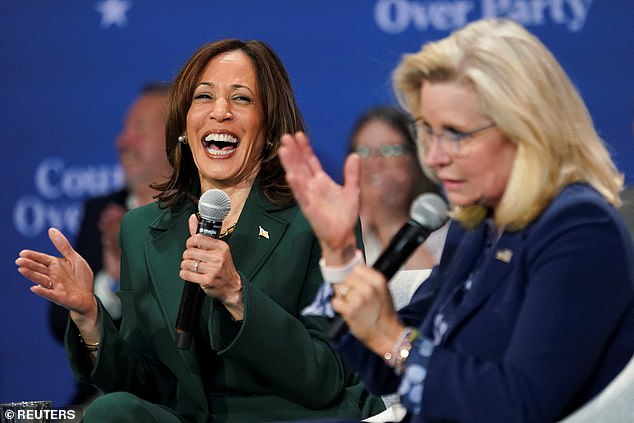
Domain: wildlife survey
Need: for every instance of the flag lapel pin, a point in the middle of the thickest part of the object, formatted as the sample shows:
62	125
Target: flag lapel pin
504	255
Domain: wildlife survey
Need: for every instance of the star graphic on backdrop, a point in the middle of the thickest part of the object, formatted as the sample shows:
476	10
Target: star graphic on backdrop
113	12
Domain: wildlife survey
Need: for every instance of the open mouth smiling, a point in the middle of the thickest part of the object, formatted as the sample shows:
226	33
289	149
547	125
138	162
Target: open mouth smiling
220	146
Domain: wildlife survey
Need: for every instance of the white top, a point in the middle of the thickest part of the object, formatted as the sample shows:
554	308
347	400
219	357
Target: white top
434	243
405	282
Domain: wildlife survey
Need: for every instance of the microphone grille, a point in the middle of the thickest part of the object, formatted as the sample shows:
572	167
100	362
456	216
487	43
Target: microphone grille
429	210
214	205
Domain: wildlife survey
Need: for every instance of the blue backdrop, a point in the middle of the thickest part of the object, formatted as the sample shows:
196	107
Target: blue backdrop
70	68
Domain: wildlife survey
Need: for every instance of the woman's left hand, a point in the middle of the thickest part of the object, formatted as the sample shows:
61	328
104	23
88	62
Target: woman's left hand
365	303
207	261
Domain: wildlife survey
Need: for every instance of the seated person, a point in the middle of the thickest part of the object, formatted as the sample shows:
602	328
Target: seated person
530	312
254	356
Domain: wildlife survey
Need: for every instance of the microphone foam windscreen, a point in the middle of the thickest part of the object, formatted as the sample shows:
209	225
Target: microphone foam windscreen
429	210
214	205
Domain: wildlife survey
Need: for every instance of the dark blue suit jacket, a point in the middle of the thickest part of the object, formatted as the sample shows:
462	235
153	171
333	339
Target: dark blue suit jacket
549	320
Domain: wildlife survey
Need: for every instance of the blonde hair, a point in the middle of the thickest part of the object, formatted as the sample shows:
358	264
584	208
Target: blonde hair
523	89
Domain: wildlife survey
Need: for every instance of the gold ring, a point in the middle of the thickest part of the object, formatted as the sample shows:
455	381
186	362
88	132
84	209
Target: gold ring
50	284
196	266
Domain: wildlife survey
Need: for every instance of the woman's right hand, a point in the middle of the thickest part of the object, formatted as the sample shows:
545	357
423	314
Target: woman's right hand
66	280
332	209
365	303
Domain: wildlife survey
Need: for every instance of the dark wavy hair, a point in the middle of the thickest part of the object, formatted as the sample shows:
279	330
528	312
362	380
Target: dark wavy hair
281	115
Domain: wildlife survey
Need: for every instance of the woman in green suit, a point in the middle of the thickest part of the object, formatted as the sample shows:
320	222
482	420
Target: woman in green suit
254	357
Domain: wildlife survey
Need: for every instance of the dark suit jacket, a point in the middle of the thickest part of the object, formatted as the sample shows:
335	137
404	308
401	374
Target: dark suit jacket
276	365
549	320
627	209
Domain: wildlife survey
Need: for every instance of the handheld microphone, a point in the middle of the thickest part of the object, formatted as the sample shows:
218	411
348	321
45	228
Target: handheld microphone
214	205
427	213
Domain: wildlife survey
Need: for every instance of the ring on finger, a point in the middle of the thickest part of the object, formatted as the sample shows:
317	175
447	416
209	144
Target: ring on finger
343	292
50	284
196	263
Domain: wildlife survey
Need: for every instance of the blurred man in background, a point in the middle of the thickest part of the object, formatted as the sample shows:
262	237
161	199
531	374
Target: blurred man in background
141	153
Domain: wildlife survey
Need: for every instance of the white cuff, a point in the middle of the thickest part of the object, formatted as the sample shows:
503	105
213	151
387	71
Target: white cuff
103	288
339	274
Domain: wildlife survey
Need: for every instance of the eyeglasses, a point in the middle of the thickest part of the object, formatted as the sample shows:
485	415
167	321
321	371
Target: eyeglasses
390	150
449	138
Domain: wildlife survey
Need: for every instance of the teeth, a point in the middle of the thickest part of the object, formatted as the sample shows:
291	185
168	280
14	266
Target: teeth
220	153
221	138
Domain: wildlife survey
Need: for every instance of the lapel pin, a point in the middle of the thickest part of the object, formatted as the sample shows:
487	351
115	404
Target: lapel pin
504	255
263	233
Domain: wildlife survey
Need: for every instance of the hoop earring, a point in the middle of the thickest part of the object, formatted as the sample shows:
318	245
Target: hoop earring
182	139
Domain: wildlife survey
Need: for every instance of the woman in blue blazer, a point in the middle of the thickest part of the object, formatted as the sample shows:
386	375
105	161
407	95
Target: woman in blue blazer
530	312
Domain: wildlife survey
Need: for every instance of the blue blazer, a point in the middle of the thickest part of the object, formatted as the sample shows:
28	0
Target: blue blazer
548	322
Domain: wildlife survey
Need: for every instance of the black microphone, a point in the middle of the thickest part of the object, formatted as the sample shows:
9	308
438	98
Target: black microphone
427	213
213	207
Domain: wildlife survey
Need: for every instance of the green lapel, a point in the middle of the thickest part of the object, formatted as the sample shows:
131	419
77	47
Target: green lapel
163	254
257	233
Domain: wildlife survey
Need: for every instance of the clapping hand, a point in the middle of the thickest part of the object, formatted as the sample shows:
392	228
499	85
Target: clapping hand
65	280
332	209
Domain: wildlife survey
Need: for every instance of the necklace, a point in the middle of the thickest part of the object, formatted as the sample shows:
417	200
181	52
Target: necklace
229	231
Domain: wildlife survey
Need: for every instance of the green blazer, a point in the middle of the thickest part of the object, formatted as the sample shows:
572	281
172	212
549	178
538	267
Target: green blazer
276	365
